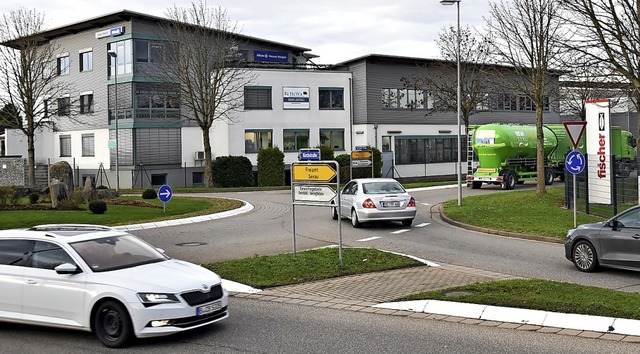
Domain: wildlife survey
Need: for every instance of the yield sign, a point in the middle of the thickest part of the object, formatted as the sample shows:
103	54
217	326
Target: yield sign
575	130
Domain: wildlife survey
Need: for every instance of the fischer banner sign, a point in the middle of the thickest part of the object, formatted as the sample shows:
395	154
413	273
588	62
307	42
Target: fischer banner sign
599	151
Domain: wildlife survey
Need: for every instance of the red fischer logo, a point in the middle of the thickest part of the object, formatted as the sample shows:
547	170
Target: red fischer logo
602	157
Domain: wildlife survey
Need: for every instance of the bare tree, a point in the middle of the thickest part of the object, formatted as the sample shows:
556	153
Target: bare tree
609	32
440	78
205	67
28	77
529	37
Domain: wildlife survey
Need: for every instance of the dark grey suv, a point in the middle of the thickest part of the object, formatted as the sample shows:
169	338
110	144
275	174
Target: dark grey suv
613	243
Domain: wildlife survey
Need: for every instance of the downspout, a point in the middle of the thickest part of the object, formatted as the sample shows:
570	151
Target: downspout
375	134
351	132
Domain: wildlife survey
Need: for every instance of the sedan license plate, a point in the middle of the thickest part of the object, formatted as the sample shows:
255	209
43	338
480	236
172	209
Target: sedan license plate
390	204
207	309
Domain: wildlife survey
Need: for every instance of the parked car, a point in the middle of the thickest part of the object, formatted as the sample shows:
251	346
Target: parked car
96	278
375	199
613	243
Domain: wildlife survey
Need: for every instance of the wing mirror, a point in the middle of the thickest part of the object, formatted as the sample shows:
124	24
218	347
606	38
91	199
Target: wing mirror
67	268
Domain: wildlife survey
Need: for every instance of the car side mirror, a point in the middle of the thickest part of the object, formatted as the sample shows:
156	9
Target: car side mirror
67	268
616	225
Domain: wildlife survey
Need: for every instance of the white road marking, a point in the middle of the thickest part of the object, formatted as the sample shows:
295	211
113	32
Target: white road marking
368	239
423	224
400	231
425	203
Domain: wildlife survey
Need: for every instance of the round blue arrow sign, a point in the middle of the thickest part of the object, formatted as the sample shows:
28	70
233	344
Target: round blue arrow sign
165	193
575	162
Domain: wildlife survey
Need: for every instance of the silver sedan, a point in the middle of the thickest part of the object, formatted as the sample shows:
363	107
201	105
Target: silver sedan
375	199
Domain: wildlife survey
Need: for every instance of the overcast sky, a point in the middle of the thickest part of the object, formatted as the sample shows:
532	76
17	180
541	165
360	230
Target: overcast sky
334	30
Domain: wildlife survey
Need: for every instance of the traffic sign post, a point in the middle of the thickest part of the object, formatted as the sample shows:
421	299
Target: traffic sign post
164	194
361	157
316	183
575	161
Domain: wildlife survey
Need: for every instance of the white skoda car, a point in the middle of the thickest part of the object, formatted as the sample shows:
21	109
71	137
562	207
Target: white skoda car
99	279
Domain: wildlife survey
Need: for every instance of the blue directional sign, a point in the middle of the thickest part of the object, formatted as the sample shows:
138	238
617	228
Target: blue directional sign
165	193
575	162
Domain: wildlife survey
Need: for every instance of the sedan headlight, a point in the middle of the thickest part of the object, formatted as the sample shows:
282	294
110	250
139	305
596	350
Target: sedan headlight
570	233
150	299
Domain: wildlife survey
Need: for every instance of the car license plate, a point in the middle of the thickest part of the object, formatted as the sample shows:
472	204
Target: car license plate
390	204
207	309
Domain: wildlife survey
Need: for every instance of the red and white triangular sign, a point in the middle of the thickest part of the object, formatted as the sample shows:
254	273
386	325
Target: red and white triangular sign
575	130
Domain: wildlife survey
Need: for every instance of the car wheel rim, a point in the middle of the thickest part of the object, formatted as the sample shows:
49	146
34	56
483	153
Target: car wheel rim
112	324
583	256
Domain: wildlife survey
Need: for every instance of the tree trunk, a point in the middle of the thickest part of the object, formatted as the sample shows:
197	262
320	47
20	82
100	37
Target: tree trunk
31	159
208	158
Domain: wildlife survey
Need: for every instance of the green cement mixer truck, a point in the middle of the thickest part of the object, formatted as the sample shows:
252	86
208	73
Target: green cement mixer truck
507	153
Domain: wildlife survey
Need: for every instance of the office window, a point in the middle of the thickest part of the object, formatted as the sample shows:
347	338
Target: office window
333	138
295	140
86	103
159	179
153	51
197	178
47	107
65	145
386	143
88	145
257	97
331	98
404	98
157	101
86	61
255	140
63	65
64	106
124	61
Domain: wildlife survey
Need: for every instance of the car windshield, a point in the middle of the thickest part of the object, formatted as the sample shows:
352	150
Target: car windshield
117	252
382	187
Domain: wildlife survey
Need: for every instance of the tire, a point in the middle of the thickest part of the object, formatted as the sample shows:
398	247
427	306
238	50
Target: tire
476	185
549	176
407	222
509	180
354	219
584	256
334	213
625	169
112	325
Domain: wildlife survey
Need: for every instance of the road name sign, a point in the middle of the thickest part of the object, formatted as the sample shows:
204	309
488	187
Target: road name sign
313	193
312	172
309	155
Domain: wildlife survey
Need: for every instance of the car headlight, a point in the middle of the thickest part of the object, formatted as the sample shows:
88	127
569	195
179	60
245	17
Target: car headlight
149	299
570	233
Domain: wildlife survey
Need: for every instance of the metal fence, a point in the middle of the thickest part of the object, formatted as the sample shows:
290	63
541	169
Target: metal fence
621	191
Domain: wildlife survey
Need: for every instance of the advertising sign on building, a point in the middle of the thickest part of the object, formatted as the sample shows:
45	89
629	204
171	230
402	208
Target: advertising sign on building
269	56
111	32
295	97
599	151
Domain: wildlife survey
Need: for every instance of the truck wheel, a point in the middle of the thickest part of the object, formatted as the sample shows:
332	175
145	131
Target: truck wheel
476	185
549	176
625	169
509	180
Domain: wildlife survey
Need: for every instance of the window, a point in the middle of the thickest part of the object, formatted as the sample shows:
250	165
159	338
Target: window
86	103
47	107
404	98
158	180
423	150
257	97
86	61
64	106
197	178
63	65
124	61
331	98
150	51
47	255
295	140
255	140
88	145
15	252
65	145
386	143
157	101
333	138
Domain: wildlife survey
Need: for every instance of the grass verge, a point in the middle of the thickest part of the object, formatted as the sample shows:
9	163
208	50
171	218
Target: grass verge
317	264
519	211
178	207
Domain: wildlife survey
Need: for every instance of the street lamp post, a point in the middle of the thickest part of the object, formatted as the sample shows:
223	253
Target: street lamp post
114	55
459	163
